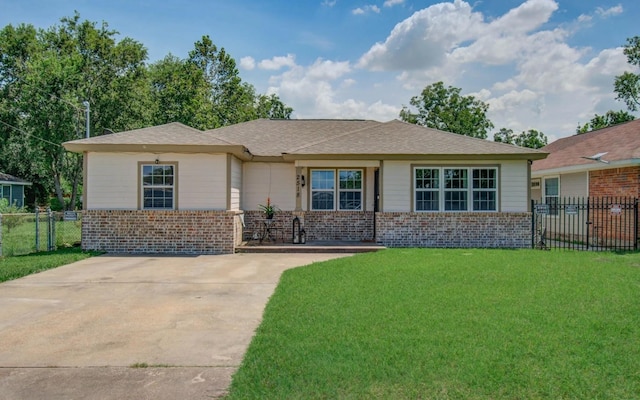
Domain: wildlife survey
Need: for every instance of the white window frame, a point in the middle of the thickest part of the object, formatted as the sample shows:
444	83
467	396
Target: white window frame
164	185
468	189
336	190
545	197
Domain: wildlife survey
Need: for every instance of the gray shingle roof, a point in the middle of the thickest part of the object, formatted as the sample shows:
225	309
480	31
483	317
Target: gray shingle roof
6	178
304	138
266	137
396	137
174	133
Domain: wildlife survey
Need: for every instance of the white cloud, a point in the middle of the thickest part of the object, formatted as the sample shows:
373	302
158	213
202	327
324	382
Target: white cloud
521	63
391	3
278	62
604	13
247	63
329	3
585	18
366	9
424	39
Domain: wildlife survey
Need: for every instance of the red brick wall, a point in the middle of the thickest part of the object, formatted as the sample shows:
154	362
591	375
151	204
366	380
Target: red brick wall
615	182
172	232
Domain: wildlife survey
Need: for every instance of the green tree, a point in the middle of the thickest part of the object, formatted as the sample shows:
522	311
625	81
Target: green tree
180	93
46	83
444	108
627	85
272	107
504	136
532	138
602	121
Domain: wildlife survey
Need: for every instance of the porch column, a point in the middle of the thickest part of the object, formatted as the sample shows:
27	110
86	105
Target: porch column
298	189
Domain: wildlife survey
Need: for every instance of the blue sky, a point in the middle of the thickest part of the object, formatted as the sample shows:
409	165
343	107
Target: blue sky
540	64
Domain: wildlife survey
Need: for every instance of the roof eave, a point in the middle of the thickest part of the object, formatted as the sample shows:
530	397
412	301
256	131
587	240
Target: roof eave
237	150
595	166
516	156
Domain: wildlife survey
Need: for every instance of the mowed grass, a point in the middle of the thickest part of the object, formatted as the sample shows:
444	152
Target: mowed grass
450	324
21	239
19	266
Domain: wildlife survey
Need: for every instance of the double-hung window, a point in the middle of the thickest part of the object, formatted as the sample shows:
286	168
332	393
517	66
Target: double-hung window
455	189
552	194
158	186
343	195
427	189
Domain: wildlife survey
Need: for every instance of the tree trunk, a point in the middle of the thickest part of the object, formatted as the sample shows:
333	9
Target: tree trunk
76	181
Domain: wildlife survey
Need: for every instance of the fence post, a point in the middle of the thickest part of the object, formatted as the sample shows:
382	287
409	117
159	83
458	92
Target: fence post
0	235
50	230
533	224
36	212
635	225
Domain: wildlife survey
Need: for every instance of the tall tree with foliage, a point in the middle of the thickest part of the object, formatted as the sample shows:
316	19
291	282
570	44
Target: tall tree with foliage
532	138
205	91
602	121
627	85
45	85
446	109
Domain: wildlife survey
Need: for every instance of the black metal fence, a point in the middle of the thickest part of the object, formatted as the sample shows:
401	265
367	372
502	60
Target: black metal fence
44	230
589	223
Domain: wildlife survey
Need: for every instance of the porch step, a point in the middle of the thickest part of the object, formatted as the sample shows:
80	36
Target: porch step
313	247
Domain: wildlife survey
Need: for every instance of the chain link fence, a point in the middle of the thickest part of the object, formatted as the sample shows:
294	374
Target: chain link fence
40	231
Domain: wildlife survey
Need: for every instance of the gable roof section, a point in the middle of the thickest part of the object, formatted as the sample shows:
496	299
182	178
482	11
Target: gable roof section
12	180
401	139
173	137
266	139
274	137
620	142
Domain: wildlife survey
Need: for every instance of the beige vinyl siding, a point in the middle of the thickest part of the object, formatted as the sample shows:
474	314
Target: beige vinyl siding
202	181
236	183
113	180
574	185
369	189
514	186
397	187
274	180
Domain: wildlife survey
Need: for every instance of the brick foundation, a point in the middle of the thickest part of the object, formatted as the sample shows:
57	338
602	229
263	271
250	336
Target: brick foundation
496	230
173	232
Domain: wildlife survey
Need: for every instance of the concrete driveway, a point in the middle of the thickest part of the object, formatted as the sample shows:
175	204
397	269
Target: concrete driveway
75	332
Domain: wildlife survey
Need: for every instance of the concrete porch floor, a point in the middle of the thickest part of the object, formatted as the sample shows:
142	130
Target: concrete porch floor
330	246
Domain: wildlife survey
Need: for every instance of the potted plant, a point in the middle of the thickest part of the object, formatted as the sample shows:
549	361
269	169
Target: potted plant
269	209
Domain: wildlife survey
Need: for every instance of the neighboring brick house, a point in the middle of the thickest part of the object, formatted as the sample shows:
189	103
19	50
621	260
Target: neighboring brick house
570	170
600	169
175	189
12	189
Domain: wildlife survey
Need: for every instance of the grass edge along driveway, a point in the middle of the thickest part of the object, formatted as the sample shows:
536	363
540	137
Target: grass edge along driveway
450	324
19	266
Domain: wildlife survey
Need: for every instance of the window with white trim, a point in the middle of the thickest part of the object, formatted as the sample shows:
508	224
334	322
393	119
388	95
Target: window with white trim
552	194
455	189
346	195
158	186
427	188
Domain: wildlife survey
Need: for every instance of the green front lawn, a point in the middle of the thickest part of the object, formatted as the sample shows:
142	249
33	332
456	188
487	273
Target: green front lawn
21	238
450	324
19	266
